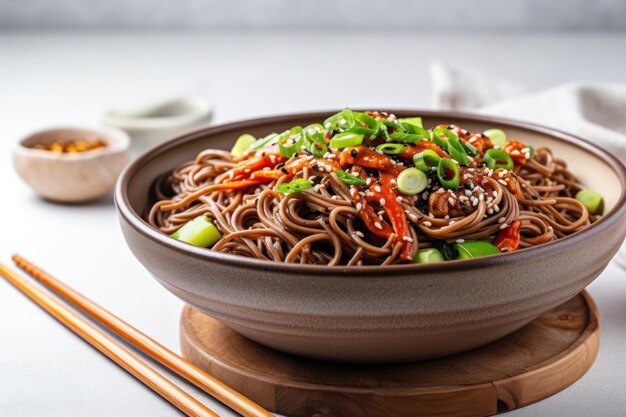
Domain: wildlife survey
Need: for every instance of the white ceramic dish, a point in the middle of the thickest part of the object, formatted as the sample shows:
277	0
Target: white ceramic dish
75	177
155	122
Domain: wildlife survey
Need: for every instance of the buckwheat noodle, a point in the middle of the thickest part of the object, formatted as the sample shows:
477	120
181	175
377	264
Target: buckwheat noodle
322	225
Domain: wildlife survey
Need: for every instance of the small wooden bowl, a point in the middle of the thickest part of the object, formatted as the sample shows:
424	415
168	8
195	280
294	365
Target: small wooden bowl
68	177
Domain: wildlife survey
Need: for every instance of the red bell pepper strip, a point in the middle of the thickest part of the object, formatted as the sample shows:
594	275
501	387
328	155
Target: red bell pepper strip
421	146
508	239
397	217
514	148
256	164
367	158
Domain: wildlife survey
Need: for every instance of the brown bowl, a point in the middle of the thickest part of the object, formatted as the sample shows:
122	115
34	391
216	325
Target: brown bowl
376	314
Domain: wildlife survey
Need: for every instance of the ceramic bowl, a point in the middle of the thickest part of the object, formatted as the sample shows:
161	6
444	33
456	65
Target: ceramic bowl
71	178
153	123
376	314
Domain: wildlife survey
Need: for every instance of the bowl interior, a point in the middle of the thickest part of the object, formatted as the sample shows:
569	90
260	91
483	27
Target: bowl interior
585	161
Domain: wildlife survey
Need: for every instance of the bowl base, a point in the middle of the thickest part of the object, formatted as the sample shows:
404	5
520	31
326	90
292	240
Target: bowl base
535	362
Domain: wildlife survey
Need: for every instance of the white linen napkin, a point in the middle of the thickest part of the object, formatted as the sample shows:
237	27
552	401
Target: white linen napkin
592	110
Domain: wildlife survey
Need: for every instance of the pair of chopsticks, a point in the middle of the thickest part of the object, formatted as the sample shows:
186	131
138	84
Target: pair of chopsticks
120	355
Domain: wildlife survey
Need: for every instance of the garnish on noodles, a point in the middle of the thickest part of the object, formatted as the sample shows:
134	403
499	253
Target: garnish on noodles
368	188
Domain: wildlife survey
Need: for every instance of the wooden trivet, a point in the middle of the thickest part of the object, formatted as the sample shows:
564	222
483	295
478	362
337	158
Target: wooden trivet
529	365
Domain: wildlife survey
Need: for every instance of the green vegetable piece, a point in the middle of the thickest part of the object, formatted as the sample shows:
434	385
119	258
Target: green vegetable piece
428	256
242	144
314	139
592	200
294	186
370	128
531	151
199	232
451	142
342	120
349	178
405	137
448	174
470	149
426	160
263	142
415	121
441	135
412	181
391	148
475	249
497	136
289	142
345	139
496	158
446	250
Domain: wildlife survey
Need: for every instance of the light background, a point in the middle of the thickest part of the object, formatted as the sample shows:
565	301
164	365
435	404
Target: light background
372	15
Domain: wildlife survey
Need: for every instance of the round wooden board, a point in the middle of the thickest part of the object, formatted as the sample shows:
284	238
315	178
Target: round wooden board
533	363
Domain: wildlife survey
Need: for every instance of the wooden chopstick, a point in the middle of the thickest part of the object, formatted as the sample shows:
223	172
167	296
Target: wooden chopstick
165	356
118	354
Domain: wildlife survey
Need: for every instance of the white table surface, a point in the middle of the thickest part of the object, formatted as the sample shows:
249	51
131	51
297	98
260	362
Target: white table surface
51	79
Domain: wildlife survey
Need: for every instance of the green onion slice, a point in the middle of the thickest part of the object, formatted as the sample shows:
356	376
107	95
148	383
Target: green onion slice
345	139
391	148
426	160
342	120
412	181
450	141
592	200
242	144
290	141
441	135
405	137
471	149
497	136
415	121
263	142
496	158
428	256
475	249
349	178
314	140
199	232
361	119
448	173
294	186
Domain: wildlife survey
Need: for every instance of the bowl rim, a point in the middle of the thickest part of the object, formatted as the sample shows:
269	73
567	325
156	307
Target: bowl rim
121	143
603	225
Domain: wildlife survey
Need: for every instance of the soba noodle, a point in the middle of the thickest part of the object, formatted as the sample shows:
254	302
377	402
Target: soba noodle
331	223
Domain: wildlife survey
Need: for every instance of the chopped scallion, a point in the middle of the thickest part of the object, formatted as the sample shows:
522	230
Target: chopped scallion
412	181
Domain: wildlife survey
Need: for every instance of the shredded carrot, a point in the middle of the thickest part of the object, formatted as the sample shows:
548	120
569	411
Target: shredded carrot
508	239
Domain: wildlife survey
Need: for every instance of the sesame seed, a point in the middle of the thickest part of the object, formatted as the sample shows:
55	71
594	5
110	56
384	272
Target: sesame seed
460	241
446	217
378	225
359	233
427	223
501	219
504	226
359	206
502	182
452	201
377	188
451	222
382	201
399	199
